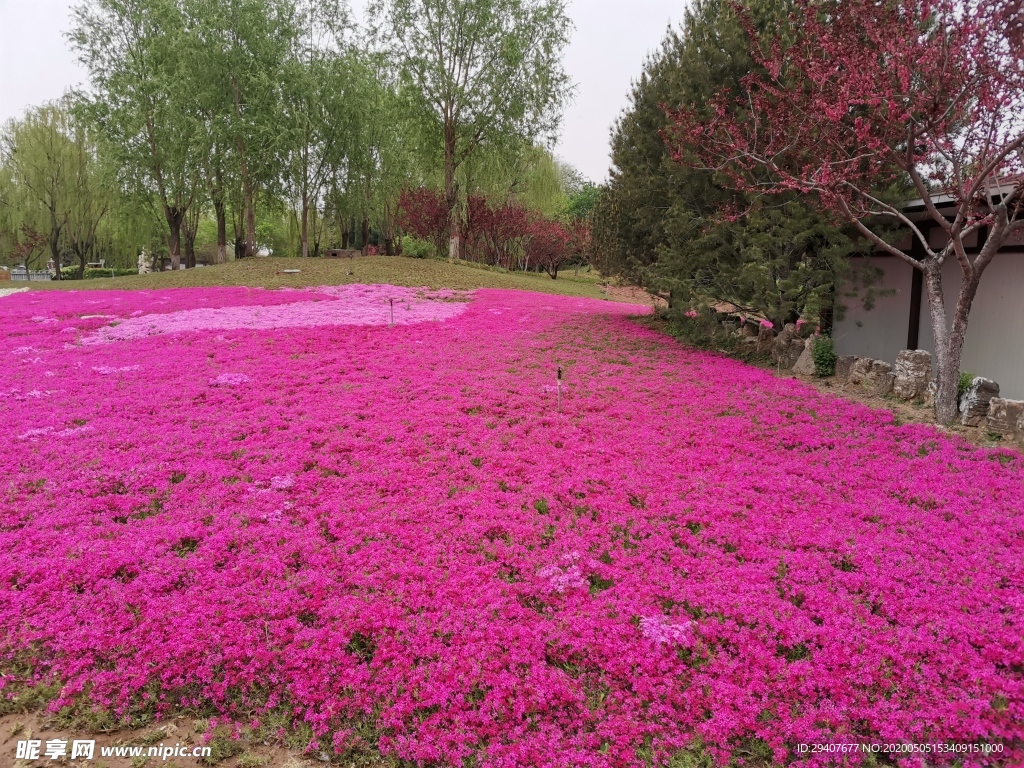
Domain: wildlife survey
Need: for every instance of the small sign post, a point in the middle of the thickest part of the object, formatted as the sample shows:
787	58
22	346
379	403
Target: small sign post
559	389
392	312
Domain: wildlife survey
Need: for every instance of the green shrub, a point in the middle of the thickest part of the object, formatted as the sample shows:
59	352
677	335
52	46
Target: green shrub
966	379
700	328
824	354
71	273
416	248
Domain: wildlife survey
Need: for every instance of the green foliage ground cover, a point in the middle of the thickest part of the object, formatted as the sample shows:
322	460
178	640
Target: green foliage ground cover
392	270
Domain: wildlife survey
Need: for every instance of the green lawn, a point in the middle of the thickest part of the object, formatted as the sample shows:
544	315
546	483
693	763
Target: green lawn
393	270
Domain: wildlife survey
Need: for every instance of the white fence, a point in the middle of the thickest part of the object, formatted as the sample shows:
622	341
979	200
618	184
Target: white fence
23	275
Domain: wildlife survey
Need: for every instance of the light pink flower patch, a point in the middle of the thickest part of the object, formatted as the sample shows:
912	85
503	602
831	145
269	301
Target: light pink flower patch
107	370
230	380
343	305
282	483
658	630
565	576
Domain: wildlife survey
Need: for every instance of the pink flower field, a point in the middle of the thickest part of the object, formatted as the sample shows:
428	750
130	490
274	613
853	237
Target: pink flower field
238	503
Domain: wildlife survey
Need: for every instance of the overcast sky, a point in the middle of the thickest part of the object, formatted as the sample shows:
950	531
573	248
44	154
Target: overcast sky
611	40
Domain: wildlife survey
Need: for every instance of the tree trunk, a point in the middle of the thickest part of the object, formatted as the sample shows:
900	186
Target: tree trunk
190	228
55	230
451	196
190	248
250	222
389	246
174	218
947	360
247	188
304	228
222	232
55	254
949	338
364	234
342	230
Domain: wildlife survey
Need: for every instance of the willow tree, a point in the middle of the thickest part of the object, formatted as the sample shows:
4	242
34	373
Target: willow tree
38	152
482	70
240	56
142	101
384	147
313	120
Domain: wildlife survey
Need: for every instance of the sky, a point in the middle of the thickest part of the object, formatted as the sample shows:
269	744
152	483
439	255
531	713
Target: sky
611	41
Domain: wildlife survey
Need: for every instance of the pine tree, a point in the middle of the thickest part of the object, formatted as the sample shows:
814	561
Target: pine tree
674	228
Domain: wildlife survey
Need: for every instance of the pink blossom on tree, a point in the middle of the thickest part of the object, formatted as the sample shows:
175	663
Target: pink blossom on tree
862	95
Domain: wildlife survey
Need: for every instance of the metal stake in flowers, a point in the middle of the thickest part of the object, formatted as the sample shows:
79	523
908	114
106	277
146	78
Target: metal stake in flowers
392	312
559	389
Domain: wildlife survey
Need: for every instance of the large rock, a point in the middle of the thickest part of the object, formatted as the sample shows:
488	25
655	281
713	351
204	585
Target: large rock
879	378
975	401
913	371
844	365
805	364
931	394
859	370
748	344
1006	418
782	342
750	329
788	358
765	340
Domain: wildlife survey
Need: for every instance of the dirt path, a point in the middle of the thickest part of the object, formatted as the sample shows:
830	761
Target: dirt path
183	734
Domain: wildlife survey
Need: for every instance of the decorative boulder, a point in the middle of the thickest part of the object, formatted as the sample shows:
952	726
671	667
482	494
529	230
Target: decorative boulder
844	364
975	401
913	372
750	329
1006	418
787	359
859	370
765	340
748	343
879	379
782	342
805	364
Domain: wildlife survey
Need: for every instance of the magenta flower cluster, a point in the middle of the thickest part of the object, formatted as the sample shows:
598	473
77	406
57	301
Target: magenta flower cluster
209	502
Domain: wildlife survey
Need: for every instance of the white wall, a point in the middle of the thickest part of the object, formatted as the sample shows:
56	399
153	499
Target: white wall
880	332
995	335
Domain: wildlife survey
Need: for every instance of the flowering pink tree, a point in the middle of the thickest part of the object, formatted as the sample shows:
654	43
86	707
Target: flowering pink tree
500	230
423	213
549	245
864	94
